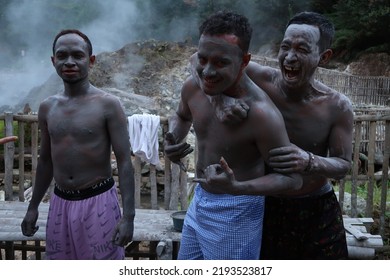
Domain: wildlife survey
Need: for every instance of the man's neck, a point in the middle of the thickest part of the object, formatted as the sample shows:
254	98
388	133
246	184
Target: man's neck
77	89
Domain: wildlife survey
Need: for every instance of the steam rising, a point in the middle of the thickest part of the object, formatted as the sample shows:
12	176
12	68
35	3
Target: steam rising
109	24
117	23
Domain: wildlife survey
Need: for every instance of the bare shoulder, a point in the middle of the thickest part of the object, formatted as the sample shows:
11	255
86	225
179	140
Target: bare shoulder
264	111
335	99
258	72
49	102
106	97
189	87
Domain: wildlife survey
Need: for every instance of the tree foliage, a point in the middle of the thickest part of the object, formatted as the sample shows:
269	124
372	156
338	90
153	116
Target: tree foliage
361	25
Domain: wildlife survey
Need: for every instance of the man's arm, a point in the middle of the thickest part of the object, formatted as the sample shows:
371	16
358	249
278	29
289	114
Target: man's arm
8	139
219	178
336	165
44	174
261	75
179	126
118	131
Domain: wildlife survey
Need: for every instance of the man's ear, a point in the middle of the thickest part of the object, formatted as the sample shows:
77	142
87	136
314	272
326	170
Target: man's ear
91	60
52	60
325	57
245	59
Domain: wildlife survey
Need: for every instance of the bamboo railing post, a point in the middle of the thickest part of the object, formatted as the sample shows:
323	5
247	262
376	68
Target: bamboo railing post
370	171
385	177
34	150
21	135
183	187
355	168
167	174
153	187
137	181
9	151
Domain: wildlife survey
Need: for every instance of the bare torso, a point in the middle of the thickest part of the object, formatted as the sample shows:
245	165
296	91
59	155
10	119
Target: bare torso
243	145
80	145
310	123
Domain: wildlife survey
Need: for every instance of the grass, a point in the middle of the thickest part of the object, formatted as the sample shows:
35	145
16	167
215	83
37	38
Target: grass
362	190
2	132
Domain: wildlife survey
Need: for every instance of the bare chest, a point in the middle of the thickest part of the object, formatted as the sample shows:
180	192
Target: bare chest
308	126
77	122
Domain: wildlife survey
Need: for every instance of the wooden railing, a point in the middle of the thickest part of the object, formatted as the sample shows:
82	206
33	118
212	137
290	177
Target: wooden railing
371	135
174	182
174	179
371	138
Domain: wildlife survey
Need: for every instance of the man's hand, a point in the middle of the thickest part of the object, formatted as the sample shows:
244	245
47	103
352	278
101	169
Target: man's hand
175	151
219	179
29	227
8	139
235	113
123	232
288	159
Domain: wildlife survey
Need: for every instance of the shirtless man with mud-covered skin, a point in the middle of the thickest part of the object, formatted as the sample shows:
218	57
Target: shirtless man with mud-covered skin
235	123
305	223
79	129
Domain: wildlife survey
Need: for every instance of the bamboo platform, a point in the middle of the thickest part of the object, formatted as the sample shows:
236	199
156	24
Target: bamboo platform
149	225
157	226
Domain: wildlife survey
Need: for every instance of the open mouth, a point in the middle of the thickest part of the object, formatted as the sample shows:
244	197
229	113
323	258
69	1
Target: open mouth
291	73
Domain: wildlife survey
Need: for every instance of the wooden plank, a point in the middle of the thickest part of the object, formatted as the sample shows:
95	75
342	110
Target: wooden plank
360	253
360	228
149	224
372	242
358	221
356	232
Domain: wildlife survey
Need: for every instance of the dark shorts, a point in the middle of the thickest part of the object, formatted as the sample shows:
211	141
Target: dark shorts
308	228
80	224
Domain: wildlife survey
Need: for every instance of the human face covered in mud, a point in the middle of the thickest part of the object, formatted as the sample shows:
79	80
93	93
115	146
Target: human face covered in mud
72	58
220	64
299	54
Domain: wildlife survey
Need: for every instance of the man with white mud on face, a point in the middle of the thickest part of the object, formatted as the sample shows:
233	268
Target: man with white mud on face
235	123
306	223
80	127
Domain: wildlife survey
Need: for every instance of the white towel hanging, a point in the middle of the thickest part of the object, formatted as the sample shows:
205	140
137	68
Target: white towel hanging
143	133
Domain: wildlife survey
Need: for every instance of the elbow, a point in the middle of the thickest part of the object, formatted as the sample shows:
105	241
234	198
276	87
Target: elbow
297	182
343	171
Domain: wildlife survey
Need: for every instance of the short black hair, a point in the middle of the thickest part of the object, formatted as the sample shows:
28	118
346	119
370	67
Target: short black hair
325	26
225	22
74	31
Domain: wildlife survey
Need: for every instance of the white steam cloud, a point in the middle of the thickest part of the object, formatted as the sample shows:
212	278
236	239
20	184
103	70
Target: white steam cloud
120	22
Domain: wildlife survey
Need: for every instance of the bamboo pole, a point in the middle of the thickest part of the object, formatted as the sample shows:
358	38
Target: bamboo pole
9	151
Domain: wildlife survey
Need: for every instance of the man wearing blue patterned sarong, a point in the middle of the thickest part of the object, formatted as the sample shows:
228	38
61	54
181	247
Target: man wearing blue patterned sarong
235	122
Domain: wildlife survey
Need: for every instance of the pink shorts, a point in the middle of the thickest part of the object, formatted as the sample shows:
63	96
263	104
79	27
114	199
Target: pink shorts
80	228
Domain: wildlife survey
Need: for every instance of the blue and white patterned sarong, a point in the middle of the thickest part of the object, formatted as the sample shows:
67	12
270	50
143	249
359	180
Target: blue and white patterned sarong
219	227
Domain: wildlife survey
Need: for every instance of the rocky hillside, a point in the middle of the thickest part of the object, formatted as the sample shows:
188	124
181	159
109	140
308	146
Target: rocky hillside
147	76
